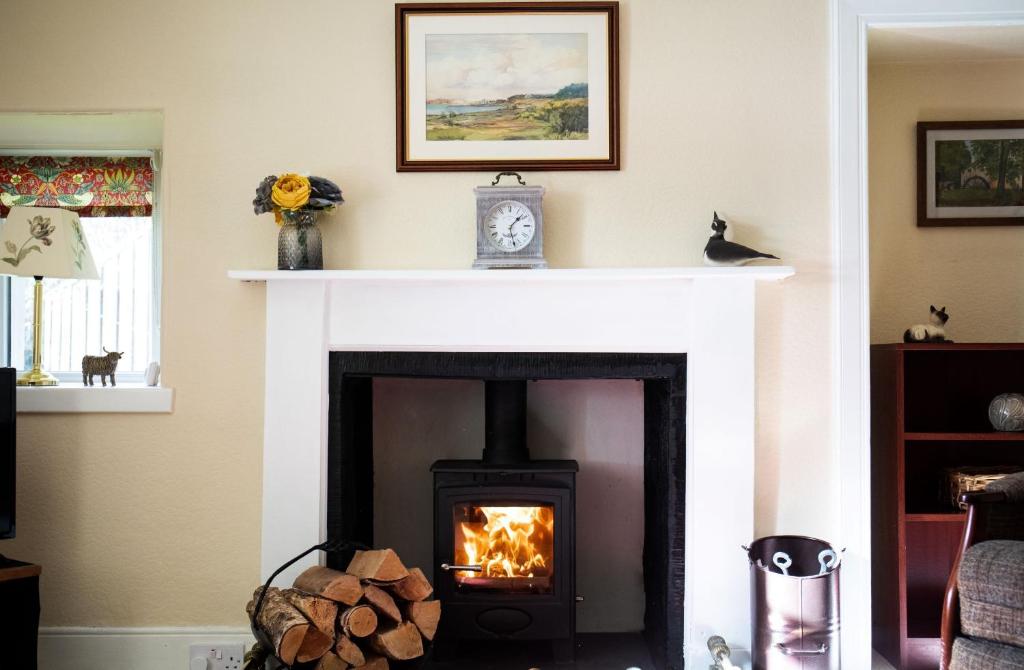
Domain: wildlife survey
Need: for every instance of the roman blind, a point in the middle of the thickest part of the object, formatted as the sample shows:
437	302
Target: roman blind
89	185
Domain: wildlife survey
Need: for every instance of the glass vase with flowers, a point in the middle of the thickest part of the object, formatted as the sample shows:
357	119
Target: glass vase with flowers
296	201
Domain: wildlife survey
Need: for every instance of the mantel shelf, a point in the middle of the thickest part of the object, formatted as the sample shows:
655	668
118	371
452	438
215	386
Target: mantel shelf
755	273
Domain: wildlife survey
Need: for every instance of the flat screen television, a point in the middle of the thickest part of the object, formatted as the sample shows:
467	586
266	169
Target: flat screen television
8	412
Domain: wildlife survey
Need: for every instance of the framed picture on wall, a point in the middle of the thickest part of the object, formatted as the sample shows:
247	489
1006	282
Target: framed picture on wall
970	173
507	85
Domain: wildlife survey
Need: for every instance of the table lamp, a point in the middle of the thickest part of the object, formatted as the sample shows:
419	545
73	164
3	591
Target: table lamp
43	242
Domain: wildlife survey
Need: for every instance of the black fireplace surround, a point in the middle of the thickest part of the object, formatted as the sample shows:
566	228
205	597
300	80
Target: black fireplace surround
350	455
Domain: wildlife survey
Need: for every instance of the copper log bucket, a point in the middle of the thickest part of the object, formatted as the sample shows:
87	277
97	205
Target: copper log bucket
794	603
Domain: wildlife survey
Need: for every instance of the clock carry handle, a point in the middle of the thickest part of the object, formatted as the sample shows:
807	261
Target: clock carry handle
518	176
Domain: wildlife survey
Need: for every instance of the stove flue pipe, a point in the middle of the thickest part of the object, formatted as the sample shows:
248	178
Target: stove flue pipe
505	422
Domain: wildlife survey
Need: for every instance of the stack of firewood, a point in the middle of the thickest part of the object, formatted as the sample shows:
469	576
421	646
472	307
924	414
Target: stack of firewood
375	612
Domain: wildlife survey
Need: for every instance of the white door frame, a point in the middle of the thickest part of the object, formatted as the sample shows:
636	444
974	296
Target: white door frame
851	356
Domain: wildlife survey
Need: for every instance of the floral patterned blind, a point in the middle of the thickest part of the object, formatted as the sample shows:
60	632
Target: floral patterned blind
89	185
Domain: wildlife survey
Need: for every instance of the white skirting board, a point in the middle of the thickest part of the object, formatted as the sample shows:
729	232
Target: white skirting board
80	648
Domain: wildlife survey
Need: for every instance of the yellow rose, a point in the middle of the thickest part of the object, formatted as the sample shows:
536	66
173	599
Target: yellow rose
291	191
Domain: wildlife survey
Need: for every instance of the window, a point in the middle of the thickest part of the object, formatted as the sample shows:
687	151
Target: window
120	311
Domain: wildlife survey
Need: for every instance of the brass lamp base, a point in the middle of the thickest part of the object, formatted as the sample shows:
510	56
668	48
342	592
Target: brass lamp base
37	378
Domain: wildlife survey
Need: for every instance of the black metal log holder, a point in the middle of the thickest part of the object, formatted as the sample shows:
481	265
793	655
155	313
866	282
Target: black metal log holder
273	662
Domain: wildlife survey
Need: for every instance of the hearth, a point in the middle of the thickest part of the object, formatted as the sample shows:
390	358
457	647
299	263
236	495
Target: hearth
504	535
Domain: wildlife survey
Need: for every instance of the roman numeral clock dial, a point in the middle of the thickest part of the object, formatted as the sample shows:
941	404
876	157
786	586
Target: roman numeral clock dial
509	225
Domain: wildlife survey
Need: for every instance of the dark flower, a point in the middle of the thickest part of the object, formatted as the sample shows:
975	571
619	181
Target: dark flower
41	229
262	203
323	194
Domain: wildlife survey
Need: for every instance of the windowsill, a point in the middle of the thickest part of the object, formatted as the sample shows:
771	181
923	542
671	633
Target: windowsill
75	398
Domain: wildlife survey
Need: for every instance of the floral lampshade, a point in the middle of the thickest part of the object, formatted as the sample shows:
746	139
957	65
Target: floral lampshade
45	242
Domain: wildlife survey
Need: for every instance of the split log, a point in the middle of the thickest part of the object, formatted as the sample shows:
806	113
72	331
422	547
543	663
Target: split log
331	662
330	584
358	621
286	627
382	602
414	587
374	662
379	565
425	615
321	612
399	643
313	646
349	651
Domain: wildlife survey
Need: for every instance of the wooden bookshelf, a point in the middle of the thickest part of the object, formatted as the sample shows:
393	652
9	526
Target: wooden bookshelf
964	437
929	412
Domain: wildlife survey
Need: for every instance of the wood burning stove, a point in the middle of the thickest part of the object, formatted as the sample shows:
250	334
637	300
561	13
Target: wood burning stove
504	536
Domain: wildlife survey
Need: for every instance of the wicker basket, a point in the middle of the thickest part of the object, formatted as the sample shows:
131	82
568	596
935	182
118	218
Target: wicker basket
968	479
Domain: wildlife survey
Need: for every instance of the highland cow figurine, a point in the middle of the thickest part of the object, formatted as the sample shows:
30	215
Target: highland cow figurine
104	366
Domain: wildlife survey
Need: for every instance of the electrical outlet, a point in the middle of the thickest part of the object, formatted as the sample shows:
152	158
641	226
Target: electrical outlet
215	656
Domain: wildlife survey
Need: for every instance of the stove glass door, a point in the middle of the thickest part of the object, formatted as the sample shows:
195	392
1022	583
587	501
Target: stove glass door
511	545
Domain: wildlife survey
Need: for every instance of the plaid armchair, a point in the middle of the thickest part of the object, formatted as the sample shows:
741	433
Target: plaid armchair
983	613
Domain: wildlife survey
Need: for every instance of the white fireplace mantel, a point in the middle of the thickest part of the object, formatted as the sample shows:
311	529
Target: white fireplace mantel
707	313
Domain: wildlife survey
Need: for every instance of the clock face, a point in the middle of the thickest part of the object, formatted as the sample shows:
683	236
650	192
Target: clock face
509	226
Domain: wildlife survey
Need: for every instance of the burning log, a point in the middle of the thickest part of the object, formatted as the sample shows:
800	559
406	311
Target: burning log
358	621
380	565
349	651
425	615
382	602
293	637
414	587
330	584
399	643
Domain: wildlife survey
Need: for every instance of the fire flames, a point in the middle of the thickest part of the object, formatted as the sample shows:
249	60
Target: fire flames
509	542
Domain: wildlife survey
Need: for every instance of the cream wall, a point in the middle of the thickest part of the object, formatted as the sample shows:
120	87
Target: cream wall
154	520
974	272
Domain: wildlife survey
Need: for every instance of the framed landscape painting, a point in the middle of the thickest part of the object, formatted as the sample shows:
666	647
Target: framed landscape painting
507	85
970	173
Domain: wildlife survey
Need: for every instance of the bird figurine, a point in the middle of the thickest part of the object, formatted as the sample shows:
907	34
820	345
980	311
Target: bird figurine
720	251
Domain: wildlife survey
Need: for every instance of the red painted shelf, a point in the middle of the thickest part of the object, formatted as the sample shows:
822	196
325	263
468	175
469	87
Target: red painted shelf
964	437
940	517
929	411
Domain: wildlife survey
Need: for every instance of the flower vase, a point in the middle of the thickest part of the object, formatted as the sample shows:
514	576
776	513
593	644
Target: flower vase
299	245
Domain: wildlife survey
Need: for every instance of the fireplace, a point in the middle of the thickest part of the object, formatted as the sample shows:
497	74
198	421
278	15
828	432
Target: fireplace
535	599
504	536
317	480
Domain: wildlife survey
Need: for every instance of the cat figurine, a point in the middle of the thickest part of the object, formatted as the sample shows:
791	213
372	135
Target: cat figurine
929	332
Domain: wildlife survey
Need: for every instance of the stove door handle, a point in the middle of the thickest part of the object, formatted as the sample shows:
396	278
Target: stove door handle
820	651
468	568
